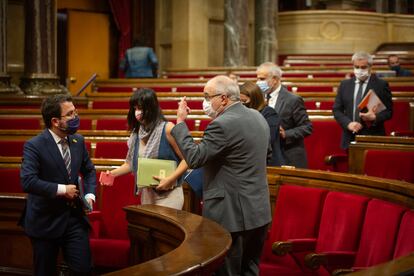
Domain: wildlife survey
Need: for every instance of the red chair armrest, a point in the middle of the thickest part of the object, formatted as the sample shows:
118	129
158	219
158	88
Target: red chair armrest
280	248
330	260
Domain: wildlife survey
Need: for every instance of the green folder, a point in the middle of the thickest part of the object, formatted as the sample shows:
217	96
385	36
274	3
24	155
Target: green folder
147	168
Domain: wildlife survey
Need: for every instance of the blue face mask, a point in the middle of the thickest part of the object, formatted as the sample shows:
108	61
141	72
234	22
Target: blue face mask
395	68
72	125
263	85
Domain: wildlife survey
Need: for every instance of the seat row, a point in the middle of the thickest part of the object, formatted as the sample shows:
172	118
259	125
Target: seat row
317	231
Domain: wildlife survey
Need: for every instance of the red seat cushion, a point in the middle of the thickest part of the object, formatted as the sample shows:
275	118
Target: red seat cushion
11	148
296	215
391	164
112	149
111	124
19	123
341	222
325	140
381	224
400	120
111	253
405	239
10	180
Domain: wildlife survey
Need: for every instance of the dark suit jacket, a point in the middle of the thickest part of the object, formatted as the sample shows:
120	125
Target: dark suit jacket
46	215
273	120
296	123
233	154
344	104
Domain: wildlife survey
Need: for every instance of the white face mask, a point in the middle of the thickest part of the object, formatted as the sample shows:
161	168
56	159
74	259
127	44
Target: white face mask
263	85
208	109
138	115
361	73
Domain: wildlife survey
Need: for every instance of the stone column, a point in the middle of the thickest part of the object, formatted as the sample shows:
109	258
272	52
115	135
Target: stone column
265	31
40	49
5	85
236	32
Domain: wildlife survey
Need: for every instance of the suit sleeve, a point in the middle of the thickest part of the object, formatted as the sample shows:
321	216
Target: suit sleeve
88	171
196	155
339	108
303	126
29	173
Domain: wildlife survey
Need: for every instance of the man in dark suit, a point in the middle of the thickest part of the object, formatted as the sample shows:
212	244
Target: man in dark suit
233	154
349	95
394	64
54	216
295	124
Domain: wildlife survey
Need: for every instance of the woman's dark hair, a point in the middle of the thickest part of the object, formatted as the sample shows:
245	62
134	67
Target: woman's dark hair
146	100
51	107
251	90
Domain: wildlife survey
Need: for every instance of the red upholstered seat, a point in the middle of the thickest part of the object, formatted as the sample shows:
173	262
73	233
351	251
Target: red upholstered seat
405	239
173	104
110	104
111	124
85	124
311	88
400	120
10	180
341	222
296	215
19	123
325	140
322	105
112	149
11	148
391	164
381	224
340	227
109	238
204	124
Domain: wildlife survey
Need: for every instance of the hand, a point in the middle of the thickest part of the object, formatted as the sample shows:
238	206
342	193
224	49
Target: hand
106	178
370	115
354	127
183	110
71	191
282	133
90	202
165	184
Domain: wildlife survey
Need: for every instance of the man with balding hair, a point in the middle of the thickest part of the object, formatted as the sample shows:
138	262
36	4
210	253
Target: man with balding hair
233	155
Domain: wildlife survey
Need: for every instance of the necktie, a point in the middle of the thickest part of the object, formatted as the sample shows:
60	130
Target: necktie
66	155
358	100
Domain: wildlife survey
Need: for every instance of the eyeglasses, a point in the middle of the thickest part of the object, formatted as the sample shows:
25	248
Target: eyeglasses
361	67
209	98
71	114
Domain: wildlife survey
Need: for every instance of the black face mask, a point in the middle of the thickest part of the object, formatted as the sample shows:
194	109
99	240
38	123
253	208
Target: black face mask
72	125
395	68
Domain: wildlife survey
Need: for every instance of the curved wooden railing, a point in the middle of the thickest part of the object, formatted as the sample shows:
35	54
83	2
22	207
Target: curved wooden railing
166	241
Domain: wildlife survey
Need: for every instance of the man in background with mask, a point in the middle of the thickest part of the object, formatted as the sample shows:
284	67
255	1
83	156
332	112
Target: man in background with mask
233	155
349	95
54	216
394	63
294	121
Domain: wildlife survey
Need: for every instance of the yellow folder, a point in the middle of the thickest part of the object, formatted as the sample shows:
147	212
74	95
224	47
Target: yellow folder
147	168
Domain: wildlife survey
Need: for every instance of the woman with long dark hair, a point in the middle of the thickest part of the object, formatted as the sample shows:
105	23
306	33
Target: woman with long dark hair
150	138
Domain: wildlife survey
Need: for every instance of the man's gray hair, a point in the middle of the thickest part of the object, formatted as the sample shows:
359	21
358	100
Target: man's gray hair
273	69
226	86
362	55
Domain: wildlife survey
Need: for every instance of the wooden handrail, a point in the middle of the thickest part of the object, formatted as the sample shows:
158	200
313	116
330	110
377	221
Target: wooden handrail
172	242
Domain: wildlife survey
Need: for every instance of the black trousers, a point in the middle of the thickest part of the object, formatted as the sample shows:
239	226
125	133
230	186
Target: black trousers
75	248
244	254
